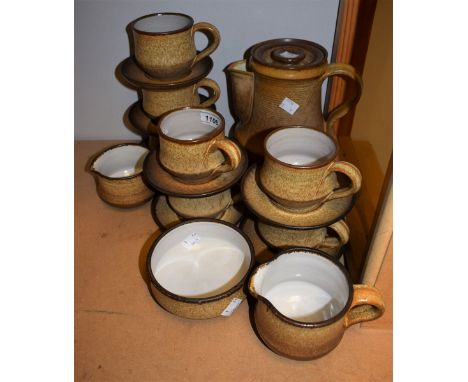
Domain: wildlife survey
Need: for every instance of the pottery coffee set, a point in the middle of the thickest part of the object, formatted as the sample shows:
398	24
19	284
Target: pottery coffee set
203	265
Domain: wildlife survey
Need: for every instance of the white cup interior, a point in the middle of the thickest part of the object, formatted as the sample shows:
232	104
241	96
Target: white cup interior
190	124
303	286
200	259
161	23
121	161
300	146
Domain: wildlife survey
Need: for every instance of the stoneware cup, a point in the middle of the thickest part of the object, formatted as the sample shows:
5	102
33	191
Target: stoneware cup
157	102
198	268
205	207
306	300
285	238
165	45
193	147
298	163
118	171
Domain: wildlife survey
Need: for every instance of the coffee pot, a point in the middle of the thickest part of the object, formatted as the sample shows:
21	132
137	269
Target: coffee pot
280	85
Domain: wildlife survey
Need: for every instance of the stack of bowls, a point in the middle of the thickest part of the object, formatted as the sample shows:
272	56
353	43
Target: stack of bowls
166	68
194	169
297	194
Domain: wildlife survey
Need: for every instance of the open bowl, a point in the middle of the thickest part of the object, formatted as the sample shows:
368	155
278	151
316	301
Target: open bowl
198	268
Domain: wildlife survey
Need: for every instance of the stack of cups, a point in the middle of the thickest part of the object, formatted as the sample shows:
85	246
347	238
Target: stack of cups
167	70
194	168
300	194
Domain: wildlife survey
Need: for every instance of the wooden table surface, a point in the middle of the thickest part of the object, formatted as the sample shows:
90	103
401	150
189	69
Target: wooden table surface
121	334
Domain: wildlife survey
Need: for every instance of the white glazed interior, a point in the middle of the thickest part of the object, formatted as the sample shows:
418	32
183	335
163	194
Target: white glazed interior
213	265
121	161
162	23
300	146
303	286
190	124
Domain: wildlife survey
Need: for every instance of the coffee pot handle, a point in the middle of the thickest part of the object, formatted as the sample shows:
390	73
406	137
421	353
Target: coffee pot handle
230	150
367	305
343	109
214	93
213	39
352	172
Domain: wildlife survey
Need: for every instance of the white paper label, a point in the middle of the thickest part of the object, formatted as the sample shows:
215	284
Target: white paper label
191	240
235	302
289	105
209	119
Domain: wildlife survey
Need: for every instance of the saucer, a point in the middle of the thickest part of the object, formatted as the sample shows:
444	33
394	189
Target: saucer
141	121
165	217
262	206
262	252
161	180
133	74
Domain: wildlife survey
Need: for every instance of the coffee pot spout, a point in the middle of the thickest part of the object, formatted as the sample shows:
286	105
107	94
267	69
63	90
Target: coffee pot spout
242	89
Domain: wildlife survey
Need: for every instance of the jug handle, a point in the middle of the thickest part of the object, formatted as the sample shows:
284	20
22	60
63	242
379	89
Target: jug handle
340	111
367	305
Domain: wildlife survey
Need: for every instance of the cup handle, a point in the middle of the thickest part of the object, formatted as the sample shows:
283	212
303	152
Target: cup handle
352	172
230	150
343	109
214	93
213	39
342	230
367	305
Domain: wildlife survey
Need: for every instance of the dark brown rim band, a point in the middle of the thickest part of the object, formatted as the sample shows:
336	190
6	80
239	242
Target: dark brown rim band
101	153
200	300
191	22
204	138
301	324
321	163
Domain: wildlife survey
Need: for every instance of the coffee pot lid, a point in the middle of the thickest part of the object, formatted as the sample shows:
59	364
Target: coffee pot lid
288	58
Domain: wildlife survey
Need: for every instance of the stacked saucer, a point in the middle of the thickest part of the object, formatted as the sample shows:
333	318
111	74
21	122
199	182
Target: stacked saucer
300	194
195	169
167	70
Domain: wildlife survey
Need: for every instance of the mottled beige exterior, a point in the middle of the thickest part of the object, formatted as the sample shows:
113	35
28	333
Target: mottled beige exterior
306	187
284	238
157	101
265	207
209	206
197	311
199	161
169	56
123	192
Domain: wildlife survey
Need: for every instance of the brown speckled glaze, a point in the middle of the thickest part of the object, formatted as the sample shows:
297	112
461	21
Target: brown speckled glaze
309	340
124	192
263	253
260	84
269	211
165	217
208	206
305	187
172	54
320	238
157	102
202	307
197	160
164	182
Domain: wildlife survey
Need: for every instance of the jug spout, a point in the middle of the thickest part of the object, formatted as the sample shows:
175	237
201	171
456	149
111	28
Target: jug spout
242	83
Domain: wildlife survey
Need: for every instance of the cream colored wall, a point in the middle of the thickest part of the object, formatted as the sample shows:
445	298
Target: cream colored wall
373	121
